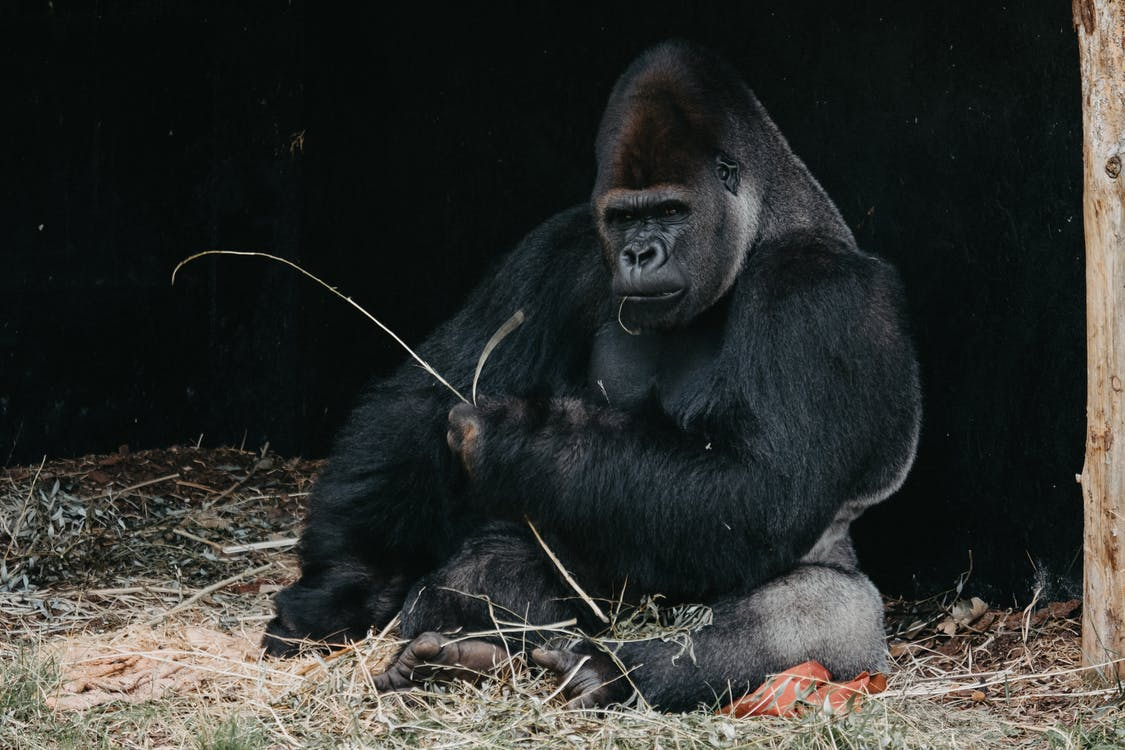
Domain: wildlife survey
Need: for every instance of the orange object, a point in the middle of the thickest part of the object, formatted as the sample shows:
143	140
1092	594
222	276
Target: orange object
807	685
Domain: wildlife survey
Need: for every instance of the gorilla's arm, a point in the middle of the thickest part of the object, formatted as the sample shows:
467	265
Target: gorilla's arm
809	409
381	512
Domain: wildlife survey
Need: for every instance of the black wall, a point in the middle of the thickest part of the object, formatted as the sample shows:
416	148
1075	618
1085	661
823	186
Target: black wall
950	137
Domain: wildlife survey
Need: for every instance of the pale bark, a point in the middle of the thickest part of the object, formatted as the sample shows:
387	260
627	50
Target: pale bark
1100	26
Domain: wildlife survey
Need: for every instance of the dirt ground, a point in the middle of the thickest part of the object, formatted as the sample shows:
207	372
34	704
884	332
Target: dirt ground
112	560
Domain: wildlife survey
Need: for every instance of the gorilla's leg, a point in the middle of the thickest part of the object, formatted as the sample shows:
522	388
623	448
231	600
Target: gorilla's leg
499	579
379	518
831	615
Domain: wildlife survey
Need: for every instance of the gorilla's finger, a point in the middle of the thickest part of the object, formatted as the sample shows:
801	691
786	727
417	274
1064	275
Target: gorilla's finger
559	662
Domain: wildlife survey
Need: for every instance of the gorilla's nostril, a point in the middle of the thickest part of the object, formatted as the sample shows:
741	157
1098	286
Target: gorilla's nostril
641	258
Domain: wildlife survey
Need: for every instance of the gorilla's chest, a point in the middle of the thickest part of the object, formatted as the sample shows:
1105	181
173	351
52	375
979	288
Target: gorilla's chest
668	367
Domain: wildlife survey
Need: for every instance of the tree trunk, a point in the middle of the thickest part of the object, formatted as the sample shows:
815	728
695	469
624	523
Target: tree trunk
1101	41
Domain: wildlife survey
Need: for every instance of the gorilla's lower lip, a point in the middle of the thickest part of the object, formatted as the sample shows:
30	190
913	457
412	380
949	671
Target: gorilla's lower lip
654	296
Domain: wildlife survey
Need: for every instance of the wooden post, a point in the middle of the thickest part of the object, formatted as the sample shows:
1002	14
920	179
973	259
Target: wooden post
1100	25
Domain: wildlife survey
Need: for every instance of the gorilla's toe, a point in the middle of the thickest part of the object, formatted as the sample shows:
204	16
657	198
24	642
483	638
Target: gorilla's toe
432	657
589	680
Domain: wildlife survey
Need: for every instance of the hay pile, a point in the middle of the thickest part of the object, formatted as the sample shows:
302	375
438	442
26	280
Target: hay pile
134	586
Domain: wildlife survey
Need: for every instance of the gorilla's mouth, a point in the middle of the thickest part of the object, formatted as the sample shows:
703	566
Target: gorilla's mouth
642	310
653	297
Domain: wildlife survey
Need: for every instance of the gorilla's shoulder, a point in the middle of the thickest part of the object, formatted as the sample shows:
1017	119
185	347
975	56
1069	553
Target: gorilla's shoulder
554	270
574	226
562	253
805	260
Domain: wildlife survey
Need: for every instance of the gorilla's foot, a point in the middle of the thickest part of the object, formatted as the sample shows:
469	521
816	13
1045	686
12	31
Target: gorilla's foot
432	657
589	680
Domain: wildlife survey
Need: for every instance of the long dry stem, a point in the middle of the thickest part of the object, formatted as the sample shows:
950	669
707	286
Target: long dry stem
501	333
566	575
209	590
425	365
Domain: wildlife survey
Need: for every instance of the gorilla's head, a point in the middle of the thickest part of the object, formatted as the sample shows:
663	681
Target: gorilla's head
674	209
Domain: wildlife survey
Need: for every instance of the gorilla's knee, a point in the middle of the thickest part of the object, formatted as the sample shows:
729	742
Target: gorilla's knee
833	616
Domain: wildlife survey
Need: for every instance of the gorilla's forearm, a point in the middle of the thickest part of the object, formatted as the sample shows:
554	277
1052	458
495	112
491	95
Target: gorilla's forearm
663	508
385	495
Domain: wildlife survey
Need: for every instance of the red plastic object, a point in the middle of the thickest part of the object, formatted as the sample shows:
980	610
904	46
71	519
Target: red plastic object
803	687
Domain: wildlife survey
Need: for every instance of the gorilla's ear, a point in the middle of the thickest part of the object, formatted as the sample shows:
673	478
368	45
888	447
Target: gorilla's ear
727	170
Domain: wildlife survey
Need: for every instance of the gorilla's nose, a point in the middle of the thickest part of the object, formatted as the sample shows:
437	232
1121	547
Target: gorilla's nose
647	257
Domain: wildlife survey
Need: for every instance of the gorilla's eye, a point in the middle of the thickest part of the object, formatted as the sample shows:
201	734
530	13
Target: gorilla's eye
671	210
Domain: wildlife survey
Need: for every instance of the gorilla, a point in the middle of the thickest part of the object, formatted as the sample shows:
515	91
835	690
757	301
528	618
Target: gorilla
711	384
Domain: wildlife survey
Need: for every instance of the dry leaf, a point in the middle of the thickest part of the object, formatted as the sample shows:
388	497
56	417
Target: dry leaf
140	667
986	621
967	611
963	614
947	626
1056	610
900	648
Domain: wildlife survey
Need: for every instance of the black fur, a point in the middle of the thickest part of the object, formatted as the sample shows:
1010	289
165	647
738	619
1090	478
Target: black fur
708	438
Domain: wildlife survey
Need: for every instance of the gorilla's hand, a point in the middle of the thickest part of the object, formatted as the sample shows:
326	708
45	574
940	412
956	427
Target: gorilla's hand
514	448
465	426
493	432
495	442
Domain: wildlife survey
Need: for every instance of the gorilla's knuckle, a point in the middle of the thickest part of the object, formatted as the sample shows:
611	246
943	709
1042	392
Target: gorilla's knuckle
462	413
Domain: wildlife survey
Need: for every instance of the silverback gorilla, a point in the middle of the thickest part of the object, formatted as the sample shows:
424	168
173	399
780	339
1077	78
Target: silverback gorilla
713	382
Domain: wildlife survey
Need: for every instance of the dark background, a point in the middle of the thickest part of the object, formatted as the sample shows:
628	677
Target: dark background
139	133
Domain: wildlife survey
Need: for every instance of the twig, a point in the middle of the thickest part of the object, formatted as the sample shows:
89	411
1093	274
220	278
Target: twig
130	590
566	575
238	483
132	487
209	590
321	660
196	486
425	365
503	627
271	544
567	678
502	332
1027	614
620	322
188	535
14	531
389	626
1002	677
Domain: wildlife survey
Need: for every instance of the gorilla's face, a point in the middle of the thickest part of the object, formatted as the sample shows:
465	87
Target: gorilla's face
674	215
674	249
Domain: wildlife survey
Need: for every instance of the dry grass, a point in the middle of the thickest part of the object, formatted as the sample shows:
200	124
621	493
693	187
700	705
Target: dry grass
132	623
